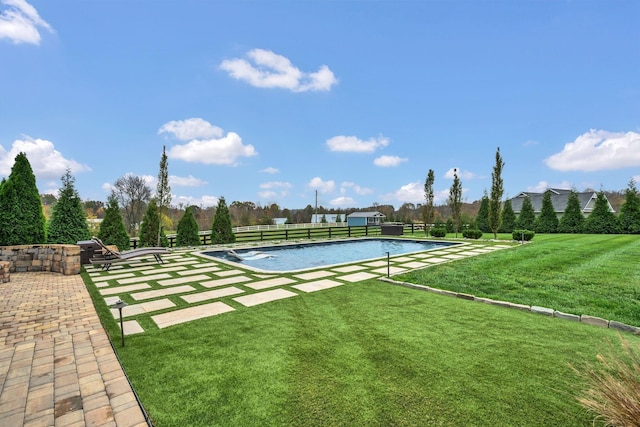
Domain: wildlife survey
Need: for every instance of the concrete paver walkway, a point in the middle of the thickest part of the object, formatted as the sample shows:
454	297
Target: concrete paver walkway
57	367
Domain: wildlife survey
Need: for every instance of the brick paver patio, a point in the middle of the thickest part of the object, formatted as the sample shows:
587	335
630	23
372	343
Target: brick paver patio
57	367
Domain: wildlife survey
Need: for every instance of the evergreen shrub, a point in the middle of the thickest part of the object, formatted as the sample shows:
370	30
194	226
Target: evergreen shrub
525	235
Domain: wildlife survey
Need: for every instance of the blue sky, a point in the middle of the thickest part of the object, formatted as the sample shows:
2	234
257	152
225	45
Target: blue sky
271	101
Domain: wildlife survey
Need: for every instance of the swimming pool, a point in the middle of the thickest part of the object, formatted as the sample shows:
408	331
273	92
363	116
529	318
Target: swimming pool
294	257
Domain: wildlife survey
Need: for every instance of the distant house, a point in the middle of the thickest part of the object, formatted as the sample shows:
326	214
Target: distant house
559	199
364	218
279	221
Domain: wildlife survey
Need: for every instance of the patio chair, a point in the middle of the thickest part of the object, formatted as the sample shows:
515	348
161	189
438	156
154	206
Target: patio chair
111	256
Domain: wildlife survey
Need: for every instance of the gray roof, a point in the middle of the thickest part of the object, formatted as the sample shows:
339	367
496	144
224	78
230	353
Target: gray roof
559	199
365	214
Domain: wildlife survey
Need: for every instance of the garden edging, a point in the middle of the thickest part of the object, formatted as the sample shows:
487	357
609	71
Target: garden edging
590	320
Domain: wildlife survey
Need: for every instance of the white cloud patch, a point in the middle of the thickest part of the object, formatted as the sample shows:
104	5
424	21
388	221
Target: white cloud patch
542	186
389	161
598	150
45	160
185	181
409	193
362	191
354	145
270	170
203	201
274	189
461	174
267	69
20	22
343	202
322	186
207	143
194	128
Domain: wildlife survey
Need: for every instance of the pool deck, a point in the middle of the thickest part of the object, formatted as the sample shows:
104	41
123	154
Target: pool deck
57	367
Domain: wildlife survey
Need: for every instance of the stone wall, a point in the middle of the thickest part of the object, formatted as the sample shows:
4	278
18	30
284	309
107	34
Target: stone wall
5	275
63	259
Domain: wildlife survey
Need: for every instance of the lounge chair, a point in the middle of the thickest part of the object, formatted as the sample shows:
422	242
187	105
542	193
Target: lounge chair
110	256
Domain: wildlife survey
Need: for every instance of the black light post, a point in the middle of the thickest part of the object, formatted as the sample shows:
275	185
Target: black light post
388	266
120	305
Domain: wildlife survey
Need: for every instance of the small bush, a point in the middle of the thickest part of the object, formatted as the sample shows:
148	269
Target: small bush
438	232
613	387
472	234
525	235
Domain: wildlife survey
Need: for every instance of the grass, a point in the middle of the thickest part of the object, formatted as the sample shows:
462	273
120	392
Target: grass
374	354
596	275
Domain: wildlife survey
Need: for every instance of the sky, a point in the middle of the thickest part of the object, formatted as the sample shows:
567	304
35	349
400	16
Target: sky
352	101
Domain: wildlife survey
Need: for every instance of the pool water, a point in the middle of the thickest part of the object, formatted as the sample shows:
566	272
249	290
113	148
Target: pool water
313	255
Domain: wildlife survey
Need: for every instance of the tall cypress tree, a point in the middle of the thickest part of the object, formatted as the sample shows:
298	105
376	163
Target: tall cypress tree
508	218
547	222
163	192
482	219
68	223
572	220
455	201
601	220
112	230
187	232
22	220
629	217
427	210
495	203
221	231
527	218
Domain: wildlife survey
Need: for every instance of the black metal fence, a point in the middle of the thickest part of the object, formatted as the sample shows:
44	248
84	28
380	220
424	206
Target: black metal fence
297	233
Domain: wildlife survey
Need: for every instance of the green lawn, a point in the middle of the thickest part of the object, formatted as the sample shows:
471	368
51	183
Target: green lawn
376	354
596	275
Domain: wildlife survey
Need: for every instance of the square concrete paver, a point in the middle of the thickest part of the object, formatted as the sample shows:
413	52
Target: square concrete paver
123	289
453	256
358	277
402	259
376	263
435	260
226	281
414	264
263	297
314	275
318	285
162	292
349	268
192	313
144	279
226	273
214	294
180	280
164	269
111	277
145	307
199	270
132	327
270	283
390	270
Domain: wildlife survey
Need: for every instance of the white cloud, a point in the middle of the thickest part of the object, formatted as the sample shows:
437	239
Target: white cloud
355	145
343	202
185	181
541	186
272	187
45	160
389	161
270	70
220	151
530	143
362	191
461	174
275	184
411	193
203	201
270	170
193	128
598	150
323	186
19	22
